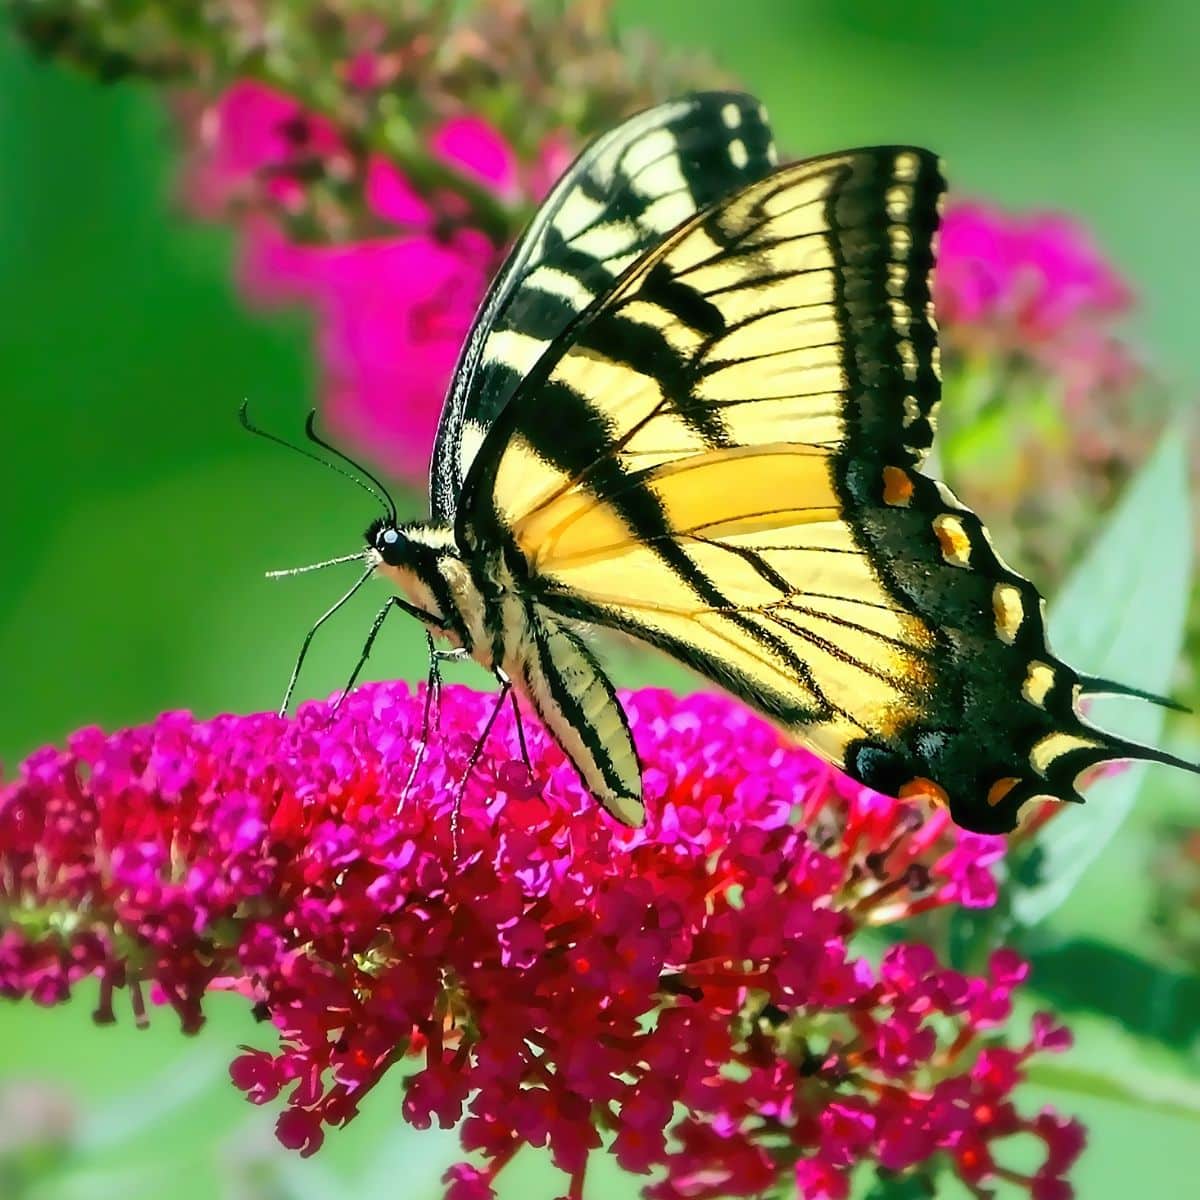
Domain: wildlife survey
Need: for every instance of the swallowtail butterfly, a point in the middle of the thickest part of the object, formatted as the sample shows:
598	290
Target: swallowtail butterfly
694	408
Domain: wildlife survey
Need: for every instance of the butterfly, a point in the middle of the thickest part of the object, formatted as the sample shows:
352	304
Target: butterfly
694	408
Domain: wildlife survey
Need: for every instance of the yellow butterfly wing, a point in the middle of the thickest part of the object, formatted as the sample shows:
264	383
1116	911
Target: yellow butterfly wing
720	458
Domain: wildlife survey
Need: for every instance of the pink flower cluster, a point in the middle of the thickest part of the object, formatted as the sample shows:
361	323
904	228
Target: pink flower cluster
392	311
1036	287
562	978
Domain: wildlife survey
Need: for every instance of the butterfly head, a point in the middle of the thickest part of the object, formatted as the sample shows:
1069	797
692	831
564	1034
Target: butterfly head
385	538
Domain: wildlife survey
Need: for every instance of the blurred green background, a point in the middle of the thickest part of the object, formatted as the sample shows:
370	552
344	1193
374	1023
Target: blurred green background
136	519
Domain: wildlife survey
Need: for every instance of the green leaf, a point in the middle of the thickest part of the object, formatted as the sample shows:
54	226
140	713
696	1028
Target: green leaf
1173	1095
1111	1064
889	1185
1152	1000
1121	616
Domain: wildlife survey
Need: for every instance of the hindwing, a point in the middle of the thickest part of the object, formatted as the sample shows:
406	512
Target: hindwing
622	196
720	457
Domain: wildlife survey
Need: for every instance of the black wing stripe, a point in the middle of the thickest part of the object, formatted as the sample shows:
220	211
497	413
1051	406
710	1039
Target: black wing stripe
584	437
865	246
843	655
819	614
783	709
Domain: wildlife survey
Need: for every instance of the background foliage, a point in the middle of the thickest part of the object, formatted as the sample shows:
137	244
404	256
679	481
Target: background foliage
137	519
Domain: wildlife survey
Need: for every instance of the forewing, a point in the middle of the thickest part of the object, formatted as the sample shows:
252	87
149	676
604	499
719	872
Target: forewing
721	459
623	194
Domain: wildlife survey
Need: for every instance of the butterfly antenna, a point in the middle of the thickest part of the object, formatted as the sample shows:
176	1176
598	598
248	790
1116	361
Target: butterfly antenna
310	428
329	562
383	499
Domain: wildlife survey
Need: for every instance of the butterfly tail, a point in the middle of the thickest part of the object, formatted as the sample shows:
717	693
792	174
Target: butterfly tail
1110	748
1058	778
1113	748
1119	749
1092	685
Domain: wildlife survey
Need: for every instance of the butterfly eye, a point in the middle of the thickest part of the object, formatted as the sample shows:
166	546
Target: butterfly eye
390	543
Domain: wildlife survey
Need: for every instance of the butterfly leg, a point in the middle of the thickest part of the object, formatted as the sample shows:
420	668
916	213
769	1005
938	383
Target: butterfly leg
505	682
433	703
376	626
291	687
477	750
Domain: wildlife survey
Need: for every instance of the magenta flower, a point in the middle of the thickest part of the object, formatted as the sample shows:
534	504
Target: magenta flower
391	318
562	977
392	311
254	143
1042	272
1033	286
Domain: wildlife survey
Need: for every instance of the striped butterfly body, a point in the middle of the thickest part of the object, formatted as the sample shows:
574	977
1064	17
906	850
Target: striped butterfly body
693	408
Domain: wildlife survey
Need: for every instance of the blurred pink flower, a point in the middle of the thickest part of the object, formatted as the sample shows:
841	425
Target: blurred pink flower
1034	286
562	975
255	138
392	312
391	317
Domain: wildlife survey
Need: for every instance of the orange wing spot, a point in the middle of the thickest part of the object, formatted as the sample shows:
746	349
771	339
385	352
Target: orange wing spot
925	789
897	487
1000	789
953	539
